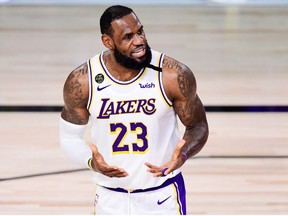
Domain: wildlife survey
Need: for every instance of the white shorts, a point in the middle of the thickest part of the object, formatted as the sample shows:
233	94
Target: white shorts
169	198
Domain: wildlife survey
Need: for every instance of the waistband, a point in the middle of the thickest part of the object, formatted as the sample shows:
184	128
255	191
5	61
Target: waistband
166	183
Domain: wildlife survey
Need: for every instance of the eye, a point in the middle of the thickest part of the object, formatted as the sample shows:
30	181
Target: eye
128	37
140	32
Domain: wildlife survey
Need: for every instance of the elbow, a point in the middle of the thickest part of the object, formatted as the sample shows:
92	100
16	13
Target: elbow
206	132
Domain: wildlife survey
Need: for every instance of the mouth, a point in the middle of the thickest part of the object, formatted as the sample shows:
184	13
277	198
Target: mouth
139	52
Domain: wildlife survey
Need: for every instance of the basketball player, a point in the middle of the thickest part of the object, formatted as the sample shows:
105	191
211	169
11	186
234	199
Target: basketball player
132	94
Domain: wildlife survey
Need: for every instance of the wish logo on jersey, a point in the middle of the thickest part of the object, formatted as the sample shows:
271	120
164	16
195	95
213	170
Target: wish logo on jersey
109	107
147	85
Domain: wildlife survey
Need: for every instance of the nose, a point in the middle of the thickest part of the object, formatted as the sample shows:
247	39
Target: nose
138	39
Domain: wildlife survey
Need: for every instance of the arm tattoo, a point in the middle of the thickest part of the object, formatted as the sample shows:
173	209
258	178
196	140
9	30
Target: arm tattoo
74	97
186	85
74	90
171	64
188	107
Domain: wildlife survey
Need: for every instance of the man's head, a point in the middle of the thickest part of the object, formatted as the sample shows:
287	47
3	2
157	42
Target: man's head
123	34
110	14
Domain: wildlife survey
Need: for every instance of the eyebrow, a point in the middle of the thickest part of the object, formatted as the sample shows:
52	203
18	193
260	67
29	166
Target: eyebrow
130	33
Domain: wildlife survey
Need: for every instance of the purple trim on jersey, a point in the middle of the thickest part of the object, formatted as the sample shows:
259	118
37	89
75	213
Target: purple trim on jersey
160	60
161	81
162	89
91	85
113	79
181	194
176	179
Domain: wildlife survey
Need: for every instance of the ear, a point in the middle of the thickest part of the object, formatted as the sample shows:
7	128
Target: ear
107	41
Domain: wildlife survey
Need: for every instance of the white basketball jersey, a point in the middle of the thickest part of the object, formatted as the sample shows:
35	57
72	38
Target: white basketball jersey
133	122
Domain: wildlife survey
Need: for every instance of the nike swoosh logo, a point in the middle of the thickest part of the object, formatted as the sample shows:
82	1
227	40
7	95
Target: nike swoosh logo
161	202
101	88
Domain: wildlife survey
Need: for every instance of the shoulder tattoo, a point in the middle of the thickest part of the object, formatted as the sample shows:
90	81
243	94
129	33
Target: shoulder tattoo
74	96
187	85
73	86
184	76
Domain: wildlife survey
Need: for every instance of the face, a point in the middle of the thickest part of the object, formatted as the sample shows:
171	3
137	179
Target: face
132	63
131	49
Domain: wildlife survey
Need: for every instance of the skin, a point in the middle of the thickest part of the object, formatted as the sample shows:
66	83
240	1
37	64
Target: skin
179	84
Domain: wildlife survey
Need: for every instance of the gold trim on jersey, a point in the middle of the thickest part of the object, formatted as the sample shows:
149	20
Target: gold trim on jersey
161	86
176	198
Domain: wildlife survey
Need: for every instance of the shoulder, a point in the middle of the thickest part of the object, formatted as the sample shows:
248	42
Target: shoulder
177	78
172	66
79	75
76	87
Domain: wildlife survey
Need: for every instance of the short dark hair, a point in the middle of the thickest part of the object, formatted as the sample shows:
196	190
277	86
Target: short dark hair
110	14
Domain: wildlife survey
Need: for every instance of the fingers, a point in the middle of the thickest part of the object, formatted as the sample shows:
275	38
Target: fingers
101	166
164	172
152	168
157	171
174	163
112	171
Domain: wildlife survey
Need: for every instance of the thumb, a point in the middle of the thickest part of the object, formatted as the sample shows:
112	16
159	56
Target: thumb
93	148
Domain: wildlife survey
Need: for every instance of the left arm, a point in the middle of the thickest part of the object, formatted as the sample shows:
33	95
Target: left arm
180	86
190	111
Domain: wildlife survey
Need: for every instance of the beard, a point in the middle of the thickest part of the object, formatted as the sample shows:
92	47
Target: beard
132	63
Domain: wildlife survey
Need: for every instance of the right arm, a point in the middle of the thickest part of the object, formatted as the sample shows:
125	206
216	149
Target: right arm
74	118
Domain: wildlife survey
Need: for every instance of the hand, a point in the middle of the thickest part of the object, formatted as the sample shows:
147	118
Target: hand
176	161
99	165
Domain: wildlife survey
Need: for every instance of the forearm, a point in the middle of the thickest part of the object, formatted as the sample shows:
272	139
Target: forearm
72	142
195	138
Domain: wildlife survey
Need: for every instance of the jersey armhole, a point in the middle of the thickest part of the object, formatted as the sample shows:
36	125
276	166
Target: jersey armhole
160	74
90	84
